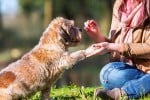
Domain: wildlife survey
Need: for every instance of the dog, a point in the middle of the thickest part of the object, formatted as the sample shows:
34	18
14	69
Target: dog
40	68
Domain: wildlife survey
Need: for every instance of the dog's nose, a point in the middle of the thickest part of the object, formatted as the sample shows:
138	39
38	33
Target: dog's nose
80	29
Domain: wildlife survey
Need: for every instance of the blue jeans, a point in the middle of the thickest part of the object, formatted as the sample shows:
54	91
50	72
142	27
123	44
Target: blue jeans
120	75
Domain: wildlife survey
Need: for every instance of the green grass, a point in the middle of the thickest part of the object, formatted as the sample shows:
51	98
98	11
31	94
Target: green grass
72	93
68	93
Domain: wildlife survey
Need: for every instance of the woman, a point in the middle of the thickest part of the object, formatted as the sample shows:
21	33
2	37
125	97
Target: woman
128	72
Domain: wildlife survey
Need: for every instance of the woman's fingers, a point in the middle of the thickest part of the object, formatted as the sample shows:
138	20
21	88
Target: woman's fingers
102	44
92	50
90	26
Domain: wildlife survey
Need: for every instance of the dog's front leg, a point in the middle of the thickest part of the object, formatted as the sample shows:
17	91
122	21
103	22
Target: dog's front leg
70	59
77	56
45	94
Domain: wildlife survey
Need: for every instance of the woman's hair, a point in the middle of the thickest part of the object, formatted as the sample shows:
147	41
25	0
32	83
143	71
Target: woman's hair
148	7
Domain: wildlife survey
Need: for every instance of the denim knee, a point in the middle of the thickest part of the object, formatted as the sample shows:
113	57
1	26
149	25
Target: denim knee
104	75
137	88
116	74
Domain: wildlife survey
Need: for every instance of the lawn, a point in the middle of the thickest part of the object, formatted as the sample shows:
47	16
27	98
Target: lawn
68	93
72	93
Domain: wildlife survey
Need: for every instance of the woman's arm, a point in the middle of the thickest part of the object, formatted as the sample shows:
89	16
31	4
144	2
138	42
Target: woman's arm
134	50
139	50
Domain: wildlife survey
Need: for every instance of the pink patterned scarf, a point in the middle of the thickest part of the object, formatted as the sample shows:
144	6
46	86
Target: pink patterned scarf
132	14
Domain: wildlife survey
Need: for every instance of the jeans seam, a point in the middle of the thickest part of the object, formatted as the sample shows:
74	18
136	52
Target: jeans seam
107	74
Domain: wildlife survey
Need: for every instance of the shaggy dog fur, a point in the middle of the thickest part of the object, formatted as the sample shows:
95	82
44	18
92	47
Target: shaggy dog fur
38	69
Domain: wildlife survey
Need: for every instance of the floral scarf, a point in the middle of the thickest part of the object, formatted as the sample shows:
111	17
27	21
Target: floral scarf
132	14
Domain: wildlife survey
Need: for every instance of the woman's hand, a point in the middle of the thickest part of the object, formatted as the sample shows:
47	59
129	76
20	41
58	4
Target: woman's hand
102	48
95	49
91	27
93	31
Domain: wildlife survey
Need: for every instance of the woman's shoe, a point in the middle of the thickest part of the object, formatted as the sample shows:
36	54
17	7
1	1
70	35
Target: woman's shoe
114	94
99	92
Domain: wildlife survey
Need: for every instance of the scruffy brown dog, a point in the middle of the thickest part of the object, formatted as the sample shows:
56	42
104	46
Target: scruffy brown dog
42	66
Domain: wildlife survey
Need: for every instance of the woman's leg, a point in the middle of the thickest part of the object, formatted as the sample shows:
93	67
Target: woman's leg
138	87
116	74
119	75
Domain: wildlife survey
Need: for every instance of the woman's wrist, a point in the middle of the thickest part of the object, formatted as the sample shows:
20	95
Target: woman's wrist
100	38
115	47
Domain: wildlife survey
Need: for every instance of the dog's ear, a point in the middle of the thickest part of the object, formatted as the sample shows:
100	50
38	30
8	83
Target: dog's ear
65	36
64	31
